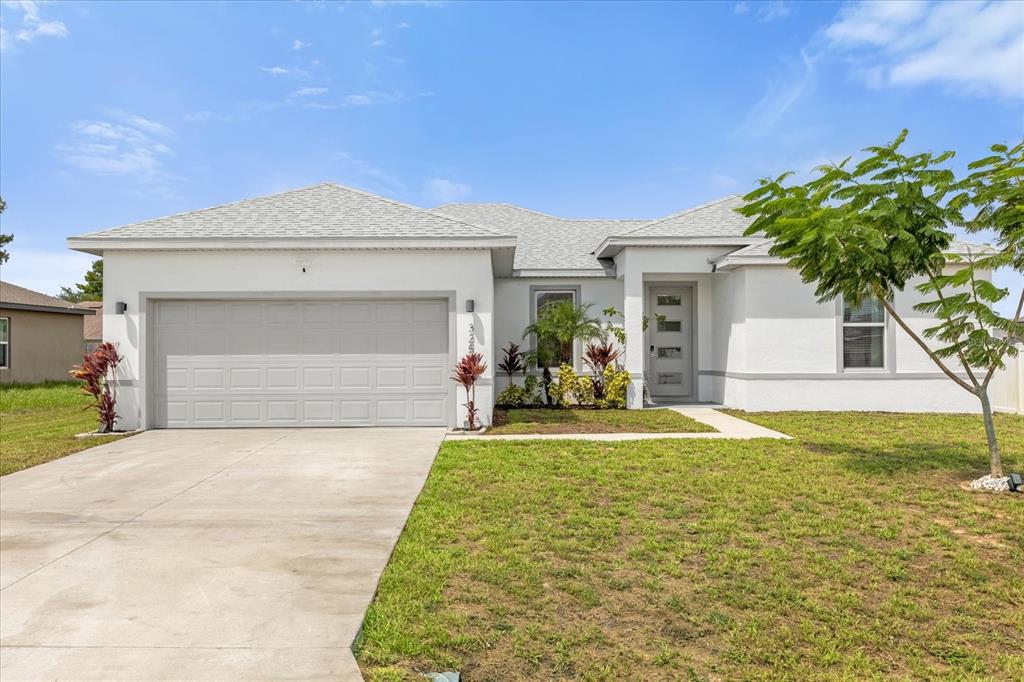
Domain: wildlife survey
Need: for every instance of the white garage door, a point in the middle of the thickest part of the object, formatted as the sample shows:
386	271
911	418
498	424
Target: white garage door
300	363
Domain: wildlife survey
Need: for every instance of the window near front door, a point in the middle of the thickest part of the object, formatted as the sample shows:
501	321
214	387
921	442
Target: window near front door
5	342
540	300
864	335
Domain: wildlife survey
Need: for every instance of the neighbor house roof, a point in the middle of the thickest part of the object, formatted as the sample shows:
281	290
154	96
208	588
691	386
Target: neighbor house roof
93	324
322	213
19	298
544	242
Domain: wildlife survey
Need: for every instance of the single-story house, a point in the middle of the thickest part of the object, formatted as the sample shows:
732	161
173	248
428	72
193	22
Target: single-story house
40	336
329	306
92	325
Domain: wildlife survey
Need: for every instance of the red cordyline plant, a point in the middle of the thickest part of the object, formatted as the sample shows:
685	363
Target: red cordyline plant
93	372
467	371
598	357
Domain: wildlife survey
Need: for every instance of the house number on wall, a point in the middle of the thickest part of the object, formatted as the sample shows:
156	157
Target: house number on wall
472	339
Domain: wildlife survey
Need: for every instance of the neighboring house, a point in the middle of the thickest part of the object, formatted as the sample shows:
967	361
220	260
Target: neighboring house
92	325
329	306
40	336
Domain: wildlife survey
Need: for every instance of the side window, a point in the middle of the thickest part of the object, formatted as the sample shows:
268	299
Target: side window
864	335
545	298
5	342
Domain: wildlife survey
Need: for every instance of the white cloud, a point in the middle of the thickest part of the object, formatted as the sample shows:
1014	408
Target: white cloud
765	11
275	70
129	145
309	92
377	38
365	99
974	48
299	44
445	191
32	25
45	271
781	96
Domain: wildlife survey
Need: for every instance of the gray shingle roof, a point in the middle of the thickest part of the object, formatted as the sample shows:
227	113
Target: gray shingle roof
11	295
544	242
327	210
761	249
714	219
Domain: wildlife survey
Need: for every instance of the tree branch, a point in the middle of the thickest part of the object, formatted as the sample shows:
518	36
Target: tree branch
924	346
959	346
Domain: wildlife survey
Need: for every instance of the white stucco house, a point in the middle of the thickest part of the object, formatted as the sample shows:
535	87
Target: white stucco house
329	306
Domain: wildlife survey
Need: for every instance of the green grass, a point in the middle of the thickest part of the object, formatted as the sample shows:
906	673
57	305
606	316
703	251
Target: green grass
850	552
38	423
520	421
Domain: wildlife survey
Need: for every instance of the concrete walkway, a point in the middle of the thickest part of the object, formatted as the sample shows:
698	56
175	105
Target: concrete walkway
200	555
727	427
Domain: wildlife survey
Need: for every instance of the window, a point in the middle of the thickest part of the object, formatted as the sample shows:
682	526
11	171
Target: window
669	299
5	342
669	325
545	298
670	378
673	352
864	335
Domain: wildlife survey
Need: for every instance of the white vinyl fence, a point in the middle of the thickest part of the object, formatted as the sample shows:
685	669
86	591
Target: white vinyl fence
1007	388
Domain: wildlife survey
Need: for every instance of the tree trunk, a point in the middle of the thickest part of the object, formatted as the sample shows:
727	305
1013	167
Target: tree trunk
995	461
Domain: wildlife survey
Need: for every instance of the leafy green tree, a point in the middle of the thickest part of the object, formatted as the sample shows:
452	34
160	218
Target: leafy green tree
5	239
869	229
90	290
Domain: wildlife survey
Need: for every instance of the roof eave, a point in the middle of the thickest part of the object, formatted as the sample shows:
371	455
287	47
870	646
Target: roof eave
46	308
97	245
611	246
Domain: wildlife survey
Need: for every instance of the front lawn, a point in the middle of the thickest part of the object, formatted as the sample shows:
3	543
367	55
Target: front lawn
39	422
520	421
849	552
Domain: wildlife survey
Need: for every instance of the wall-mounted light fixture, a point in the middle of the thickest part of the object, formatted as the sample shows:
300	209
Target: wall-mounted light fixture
469	305
120	307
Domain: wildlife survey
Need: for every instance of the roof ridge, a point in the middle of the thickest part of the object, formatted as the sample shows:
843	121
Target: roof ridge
540	213
396	202
692	209
208	208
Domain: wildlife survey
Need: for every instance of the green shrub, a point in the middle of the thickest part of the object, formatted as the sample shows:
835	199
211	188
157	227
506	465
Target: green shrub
512	396
584	393
616	388
531	386
565	389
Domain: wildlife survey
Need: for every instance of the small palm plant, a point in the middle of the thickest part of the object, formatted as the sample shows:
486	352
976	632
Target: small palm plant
467	371
96	373
557	327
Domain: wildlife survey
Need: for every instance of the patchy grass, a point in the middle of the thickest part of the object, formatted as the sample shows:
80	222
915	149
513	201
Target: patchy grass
849	552
520	421
38	423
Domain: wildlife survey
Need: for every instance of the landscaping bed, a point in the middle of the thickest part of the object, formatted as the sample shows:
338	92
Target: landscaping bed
551	420
849	552
38	423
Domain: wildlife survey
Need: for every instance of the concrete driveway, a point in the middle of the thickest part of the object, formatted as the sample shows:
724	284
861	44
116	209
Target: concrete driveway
196	555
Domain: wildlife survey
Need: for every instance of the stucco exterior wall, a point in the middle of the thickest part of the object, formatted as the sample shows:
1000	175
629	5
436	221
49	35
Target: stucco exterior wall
138	278
783	352
513	305
43	346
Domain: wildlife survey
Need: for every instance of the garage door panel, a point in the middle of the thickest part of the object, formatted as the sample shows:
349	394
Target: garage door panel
300	363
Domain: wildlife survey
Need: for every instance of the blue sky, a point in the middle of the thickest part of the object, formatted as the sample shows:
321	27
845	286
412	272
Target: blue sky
115	112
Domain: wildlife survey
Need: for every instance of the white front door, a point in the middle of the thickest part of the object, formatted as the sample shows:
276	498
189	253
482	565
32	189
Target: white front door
670	346
300	363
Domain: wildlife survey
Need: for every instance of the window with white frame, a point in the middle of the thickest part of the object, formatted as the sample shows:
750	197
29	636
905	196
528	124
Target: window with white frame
5	342
864	335
541	299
